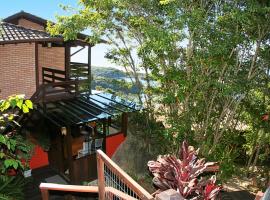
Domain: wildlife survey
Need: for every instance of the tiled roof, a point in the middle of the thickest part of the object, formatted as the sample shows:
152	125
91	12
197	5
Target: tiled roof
11	33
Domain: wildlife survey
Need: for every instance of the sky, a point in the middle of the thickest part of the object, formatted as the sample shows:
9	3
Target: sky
47	9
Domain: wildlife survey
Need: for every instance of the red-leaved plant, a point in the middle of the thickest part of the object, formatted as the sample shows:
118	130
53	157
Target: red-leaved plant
182	174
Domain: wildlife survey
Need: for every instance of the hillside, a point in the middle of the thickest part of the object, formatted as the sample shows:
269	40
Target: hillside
113	79
108	72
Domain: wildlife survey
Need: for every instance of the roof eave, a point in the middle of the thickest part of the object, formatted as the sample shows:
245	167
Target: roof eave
32	41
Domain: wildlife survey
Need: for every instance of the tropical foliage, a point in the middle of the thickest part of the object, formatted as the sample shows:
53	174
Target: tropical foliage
182	174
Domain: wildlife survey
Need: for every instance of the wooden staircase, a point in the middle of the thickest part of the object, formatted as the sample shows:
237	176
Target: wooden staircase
113	183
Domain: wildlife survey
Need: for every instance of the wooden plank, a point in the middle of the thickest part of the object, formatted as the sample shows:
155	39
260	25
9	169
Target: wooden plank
143	194
68	188
58	71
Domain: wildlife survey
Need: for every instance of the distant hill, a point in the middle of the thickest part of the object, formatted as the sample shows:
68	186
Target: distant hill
113	79
108	72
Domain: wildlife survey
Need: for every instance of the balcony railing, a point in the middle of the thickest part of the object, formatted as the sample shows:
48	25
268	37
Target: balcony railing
50	75
79	71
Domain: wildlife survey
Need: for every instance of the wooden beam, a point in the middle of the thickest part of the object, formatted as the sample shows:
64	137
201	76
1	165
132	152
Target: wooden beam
77	51
67	60
89	69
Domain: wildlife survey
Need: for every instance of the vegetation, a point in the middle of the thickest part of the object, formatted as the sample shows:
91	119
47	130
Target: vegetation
210	60
14	150
182	174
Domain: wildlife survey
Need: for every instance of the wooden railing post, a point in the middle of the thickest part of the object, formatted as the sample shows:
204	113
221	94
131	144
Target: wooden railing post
44	194
169	195
101	178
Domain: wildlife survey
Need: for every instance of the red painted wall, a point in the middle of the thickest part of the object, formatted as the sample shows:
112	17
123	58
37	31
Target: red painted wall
39	158
113	142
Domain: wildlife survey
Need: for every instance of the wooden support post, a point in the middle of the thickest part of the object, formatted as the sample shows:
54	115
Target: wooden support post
67	61
124	123
104	127
89	69
169	195
101	178
44	194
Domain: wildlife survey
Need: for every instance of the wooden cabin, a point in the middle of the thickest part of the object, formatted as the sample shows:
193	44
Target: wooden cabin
34	63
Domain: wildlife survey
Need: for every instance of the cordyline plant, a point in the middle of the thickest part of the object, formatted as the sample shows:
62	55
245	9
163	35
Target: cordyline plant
182	174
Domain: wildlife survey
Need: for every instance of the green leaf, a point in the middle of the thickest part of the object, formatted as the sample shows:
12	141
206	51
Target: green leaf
3	139
11	163
25	108
13	103
2	155
8	163
5	105
13	144
15	165
29	104
20	103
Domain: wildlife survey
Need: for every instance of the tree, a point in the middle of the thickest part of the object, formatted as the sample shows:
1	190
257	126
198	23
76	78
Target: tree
206	58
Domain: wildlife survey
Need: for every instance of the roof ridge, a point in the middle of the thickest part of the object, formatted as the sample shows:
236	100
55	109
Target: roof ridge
24	14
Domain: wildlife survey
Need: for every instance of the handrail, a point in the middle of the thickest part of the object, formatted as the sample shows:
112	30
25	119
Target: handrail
58	71
46	187
102	189
68	188
78	63
50	75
